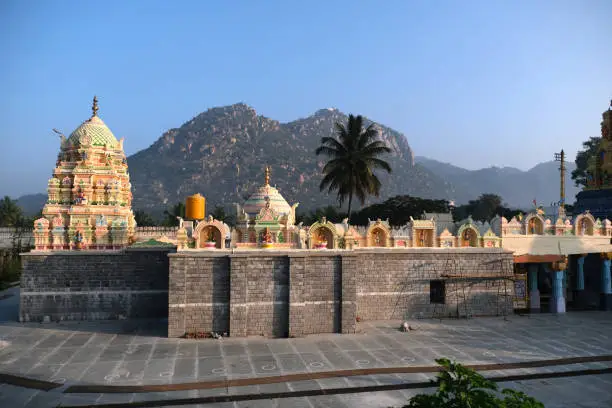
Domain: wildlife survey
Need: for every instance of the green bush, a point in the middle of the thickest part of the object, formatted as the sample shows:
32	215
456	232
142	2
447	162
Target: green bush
10	272
462	387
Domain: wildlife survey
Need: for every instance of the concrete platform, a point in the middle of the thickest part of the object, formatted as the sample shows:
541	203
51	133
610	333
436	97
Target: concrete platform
134	352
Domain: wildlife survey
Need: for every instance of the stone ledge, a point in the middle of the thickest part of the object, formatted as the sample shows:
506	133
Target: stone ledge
73	253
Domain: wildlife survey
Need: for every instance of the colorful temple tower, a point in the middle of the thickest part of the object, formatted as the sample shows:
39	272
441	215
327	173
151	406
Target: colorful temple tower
89	203
596	197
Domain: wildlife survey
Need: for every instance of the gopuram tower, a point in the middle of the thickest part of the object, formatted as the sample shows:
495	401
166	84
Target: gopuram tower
89	203
596	197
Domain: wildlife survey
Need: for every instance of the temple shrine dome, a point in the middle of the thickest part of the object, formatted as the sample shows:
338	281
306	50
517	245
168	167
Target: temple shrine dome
95	129
258	200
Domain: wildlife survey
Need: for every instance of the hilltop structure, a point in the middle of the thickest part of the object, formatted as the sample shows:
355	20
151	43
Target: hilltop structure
597	195
89	203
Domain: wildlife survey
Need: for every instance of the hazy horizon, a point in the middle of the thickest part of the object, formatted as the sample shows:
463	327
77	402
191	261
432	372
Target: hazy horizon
475	84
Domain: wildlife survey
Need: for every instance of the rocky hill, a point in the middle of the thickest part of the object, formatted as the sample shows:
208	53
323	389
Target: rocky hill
221	154
518	188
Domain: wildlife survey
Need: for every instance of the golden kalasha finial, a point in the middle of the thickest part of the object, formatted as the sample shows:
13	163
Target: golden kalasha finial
94	107
267	175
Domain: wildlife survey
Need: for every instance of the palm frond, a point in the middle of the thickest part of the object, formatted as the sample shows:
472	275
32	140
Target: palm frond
376	163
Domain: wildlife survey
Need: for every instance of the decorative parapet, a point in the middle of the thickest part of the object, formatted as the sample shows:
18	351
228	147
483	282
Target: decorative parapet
514	227
423	232
378	233
446	239
490	240
468	234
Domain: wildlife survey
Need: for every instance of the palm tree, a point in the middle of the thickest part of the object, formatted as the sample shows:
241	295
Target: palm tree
353	156
10	213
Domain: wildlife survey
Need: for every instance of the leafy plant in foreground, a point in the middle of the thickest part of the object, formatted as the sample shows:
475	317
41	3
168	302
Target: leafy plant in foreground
462	387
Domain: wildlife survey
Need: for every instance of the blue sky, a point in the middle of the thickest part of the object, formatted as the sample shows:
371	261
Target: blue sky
474	83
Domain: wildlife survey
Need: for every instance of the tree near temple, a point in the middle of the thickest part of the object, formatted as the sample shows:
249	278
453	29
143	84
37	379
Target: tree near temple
171	215
353	156
143	219
10	213
582	157
484	208
219	213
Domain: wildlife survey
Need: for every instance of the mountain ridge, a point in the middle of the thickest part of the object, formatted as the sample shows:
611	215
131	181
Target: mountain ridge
517	187
221	153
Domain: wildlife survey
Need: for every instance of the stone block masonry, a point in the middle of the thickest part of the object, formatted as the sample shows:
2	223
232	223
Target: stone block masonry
131	283
295	293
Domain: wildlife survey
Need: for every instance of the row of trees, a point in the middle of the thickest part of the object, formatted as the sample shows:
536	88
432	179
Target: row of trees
399	209
11	215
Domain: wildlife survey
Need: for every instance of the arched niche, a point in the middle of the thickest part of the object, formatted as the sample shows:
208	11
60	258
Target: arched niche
210	229
378	235
534	225
468	236
584	224
322	231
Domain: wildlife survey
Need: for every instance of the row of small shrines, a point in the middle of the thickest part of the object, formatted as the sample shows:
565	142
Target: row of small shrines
101	233
212	233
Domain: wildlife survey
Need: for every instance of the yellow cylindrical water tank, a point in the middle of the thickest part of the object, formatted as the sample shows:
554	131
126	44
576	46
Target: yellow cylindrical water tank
195	207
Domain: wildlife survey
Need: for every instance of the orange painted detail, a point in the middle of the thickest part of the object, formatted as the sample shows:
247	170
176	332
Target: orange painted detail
537	258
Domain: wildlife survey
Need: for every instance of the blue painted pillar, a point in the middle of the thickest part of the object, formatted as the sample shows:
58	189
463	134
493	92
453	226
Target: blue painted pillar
557	300
534	293
606	285
579	289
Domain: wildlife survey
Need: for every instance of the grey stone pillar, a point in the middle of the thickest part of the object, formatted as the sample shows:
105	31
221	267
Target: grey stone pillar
176	295
238	295
349	293
297	265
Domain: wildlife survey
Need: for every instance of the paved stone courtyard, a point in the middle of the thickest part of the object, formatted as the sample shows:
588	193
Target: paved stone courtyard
136	353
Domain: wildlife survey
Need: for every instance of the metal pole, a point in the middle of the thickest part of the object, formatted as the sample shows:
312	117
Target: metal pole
560	157
562	205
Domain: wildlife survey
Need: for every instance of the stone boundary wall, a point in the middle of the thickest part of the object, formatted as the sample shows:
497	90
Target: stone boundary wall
92	285
295	293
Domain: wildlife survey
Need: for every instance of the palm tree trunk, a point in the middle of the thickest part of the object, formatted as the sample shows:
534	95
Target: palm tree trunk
349	206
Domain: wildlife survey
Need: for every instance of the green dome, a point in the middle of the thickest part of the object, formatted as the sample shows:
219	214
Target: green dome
95	129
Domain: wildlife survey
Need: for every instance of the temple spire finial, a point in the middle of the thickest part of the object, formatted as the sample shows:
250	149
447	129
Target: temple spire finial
94	107
267	180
